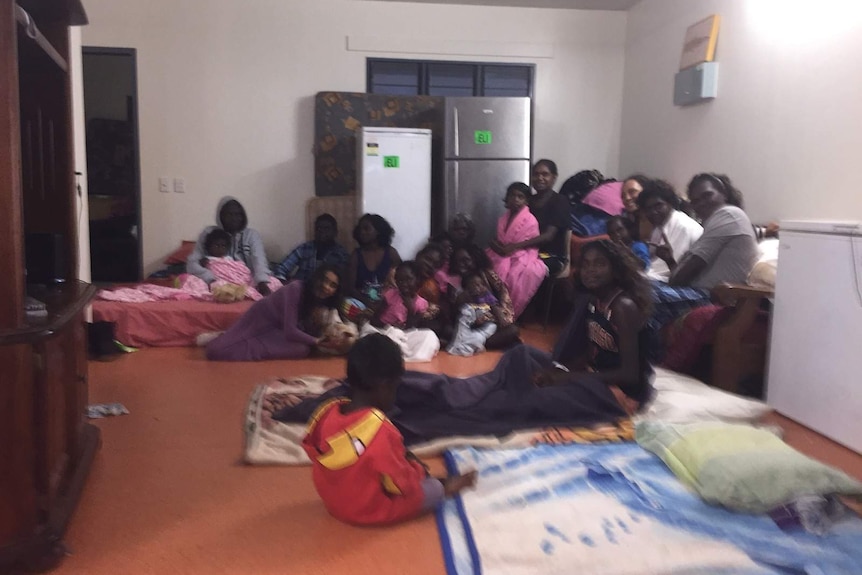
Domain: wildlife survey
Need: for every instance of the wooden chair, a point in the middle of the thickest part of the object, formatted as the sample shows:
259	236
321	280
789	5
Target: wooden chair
723	344
735	354
551	282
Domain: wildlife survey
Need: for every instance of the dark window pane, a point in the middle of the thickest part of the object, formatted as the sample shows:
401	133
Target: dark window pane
507	81
446	91
451	79
394	90
394	78
415	77
506	93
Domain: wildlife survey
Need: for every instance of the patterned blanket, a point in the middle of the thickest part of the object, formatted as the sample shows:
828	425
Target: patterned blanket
615	510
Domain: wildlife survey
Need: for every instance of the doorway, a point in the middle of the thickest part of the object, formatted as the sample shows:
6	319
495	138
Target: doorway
113	163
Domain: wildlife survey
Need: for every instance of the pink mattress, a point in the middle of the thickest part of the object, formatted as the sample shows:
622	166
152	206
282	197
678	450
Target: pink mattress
167	323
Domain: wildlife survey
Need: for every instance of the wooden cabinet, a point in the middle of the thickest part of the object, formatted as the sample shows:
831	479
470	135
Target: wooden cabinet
45	438
46	445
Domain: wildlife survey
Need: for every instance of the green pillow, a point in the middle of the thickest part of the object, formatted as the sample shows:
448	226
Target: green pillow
739	466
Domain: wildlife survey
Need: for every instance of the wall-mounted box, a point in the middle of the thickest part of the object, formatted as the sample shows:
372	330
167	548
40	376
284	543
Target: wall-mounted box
696	84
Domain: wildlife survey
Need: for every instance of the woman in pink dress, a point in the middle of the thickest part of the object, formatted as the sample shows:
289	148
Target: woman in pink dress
519	267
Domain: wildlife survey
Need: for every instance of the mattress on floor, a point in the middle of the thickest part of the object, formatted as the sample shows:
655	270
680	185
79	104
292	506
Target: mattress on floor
167	323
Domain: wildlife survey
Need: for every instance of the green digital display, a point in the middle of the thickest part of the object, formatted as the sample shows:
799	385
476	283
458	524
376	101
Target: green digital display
483	136
391	161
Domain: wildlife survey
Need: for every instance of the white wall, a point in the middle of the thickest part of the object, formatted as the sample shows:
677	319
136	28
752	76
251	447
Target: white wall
226	92
786	123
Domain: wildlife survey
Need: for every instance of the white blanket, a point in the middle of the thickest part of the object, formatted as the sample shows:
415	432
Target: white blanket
604	510
417	345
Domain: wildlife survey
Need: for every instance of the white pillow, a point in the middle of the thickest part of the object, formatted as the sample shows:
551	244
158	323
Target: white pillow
763	272
682	399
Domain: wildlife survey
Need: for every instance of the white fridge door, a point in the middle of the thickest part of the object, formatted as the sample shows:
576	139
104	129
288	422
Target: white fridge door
815	358
395	182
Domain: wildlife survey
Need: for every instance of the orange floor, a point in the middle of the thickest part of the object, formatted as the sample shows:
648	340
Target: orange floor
169	494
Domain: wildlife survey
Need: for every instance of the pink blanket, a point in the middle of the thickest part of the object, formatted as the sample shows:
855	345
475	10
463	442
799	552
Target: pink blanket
226	271
607	198
147	293
189	287
522	271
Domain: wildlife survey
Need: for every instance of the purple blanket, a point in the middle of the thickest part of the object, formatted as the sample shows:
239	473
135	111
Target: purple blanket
429	406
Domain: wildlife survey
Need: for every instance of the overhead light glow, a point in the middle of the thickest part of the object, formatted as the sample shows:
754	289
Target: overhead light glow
804	22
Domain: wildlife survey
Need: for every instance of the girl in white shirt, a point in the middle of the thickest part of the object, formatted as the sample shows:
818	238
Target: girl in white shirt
674	232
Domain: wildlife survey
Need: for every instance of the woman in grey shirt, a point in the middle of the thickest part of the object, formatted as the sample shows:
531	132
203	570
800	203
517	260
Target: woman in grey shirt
725	253
727	250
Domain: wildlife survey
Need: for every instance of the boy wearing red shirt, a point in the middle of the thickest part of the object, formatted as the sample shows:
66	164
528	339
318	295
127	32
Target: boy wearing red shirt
361	469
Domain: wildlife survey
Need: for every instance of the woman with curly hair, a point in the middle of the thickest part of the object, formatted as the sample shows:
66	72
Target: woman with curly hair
640	226
619	304
371	262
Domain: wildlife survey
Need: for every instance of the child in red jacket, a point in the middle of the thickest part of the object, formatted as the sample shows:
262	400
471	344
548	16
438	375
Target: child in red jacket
362	470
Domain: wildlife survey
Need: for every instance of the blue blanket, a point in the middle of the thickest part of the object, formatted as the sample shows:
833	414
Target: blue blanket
616	509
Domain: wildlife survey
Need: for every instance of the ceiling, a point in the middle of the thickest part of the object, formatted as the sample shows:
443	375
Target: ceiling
568	4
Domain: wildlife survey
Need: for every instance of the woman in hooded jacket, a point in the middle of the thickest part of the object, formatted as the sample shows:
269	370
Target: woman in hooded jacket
246	245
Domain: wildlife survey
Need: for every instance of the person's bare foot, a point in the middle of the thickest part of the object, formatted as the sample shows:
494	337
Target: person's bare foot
456	484
628	404
204	338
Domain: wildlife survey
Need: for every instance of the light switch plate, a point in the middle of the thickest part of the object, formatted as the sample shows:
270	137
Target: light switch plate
164	185
180	185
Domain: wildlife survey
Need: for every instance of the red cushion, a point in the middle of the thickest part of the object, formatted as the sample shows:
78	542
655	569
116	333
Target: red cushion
685	338
181	254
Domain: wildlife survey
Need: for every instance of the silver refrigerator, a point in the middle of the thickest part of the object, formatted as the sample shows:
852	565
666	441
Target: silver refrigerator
486	147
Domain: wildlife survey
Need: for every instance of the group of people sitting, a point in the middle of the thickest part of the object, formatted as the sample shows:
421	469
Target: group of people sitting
657	256
685	257
599	369
328	291
456	294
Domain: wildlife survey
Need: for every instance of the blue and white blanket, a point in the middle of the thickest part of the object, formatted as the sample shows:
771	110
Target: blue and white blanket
614	510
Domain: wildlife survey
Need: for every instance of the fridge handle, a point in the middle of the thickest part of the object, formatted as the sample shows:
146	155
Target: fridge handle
452	191
456	134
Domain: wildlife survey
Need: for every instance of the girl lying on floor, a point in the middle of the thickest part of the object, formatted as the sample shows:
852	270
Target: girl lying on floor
289	324
361	469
